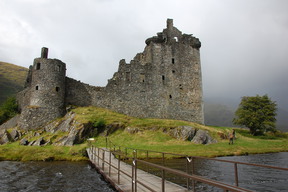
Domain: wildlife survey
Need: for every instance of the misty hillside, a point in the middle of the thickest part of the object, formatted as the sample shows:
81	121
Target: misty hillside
218	115
12	78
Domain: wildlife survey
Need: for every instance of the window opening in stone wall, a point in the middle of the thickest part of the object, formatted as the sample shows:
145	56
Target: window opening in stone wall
173	71
163	77
173	60
38	66
142	77
58	68
176	39
180	86
170	96
128	76
57	89
37	88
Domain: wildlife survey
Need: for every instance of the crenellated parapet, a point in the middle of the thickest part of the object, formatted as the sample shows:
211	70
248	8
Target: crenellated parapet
172	35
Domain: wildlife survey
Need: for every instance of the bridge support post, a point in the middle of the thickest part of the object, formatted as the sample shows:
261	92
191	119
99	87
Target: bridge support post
193	171
109	163
136	175
236	174
103	160
98	155
187	171
163	180
119	169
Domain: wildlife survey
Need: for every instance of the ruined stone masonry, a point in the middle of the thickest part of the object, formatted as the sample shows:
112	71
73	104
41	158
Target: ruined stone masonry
164	81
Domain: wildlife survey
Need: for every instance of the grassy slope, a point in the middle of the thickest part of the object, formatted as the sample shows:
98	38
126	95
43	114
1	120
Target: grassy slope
150	137
12	78
153	137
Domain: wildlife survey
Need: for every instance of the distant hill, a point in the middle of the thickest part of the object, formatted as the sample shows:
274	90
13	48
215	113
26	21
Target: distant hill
12	78
218	115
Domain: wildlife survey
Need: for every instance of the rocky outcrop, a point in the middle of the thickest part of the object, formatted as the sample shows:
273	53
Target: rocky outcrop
203	137
24	141
192	134
15	134
10	123
183	133
132	130
73	132
67	131
4	137
76	132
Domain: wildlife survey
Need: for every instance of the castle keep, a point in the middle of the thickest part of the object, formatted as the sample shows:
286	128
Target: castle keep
164	81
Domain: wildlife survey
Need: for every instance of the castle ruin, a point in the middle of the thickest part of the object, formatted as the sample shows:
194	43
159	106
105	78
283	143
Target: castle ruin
164	81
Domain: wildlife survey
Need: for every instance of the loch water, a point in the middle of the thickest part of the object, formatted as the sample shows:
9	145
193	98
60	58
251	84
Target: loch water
58	176
81	177
249	177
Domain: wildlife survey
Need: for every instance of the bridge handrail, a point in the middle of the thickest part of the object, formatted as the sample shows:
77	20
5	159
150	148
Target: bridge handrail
177	172
196	177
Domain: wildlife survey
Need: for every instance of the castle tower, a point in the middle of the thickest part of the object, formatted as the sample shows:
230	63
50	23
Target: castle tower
164	81
48	82
47	92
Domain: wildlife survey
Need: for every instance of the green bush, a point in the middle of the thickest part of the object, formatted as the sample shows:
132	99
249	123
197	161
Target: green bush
8	109
99	123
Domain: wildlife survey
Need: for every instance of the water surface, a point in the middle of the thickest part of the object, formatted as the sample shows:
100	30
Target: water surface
253	178
61	176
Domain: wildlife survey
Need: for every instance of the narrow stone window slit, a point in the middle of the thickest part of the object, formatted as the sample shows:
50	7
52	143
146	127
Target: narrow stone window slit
38	65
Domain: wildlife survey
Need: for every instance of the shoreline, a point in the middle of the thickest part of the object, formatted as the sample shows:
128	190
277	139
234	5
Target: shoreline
9	152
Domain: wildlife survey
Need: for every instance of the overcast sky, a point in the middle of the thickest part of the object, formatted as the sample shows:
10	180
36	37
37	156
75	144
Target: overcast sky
244	42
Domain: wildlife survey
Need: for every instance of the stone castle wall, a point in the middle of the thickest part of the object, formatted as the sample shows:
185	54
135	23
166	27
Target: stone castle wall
164	81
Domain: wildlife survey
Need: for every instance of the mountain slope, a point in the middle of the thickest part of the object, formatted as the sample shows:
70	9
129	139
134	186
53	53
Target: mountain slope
12	78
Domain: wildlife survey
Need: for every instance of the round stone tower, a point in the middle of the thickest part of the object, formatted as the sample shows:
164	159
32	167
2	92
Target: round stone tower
47	92
48	83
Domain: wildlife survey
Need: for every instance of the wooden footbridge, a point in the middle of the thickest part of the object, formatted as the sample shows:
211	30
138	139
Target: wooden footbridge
123	172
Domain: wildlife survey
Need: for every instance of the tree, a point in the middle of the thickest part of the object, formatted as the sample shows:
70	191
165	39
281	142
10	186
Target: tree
257	113
8	109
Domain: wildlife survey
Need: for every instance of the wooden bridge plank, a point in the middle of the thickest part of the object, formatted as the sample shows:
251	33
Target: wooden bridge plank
125	184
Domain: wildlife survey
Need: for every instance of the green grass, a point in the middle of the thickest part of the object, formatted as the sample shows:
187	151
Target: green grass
158	141
151	135
16	152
